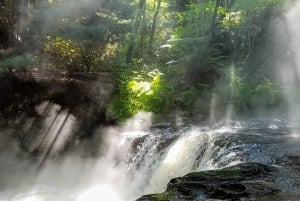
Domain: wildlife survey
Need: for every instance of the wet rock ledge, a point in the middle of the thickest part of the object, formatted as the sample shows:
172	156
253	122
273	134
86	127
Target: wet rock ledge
242	182
22	94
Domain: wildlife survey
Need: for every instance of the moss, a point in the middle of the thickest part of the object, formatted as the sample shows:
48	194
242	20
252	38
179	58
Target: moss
166	196
158	197
231	173
228	183
163	196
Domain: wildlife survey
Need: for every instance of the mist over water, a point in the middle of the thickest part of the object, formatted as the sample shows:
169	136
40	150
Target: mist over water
137	157
71	177
286	57
137	161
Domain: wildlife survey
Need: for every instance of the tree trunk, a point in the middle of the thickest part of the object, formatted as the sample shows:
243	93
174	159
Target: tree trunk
136	25
11	22
153	28
31	3
129	54
214	19
143	31
228	4
9	17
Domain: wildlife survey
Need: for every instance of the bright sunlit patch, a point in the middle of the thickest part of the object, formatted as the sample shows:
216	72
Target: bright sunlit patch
166	46
134	134
224	129
179	160
140	87
97	193
294	134
273	126
137	124
30	198
58	126
232	19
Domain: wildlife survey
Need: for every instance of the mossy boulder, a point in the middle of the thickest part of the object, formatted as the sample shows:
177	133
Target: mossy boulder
237	182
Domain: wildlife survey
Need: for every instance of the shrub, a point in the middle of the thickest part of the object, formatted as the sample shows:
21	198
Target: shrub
16	63
140	91
191	99
72	56
265	94
268	93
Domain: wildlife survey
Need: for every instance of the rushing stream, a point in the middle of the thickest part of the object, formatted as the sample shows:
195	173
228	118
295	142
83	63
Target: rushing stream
138	162
139	158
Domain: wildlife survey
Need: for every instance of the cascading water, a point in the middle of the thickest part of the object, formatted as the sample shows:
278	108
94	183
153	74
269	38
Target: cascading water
141	160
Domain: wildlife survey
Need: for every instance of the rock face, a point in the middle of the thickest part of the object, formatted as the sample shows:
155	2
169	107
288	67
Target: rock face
239	182
22	94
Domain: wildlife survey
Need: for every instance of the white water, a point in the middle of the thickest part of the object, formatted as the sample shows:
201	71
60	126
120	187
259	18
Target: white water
135	163
138	160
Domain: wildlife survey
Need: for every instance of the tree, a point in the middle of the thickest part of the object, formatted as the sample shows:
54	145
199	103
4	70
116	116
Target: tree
138	24
77	35
214	19
153	27
9	16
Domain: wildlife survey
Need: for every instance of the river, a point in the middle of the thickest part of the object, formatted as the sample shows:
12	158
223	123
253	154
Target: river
142	161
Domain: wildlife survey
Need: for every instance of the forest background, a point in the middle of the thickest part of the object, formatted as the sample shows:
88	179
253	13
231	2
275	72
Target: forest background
203	57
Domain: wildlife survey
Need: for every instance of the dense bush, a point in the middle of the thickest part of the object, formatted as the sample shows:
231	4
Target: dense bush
193	100
71	56
176	52
142	90
246	96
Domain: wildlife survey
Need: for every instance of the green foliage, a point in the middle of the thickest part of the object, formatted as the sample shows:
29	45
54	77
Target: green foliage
231	19
140	91
88	36
16	62
192	100
235	30
71	56
195	21
269	94
292	93
246	96
256	6
63	52
192	28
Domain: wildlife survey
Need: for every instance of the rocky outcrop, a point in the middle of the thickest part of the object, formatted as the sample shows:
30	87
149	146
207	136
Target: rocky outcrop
22	93
239	182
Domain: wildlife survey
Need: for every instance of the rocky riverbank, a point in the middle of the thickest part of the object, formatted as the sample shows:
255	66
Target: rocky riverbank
242	182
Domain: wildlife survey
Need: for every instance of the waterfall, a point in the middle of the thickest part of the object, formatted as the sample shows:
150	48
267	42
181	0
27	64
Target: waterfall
137	158
178	160
286	57
154	157
134	159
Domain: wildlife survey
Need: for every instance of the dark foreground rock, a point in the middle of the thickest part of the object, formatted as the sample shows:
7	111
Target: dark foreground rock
240	182
22	94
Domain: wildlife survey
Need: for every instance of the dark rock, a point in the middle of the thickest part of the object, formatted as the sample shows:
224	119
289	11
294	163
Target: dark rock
18	95
22	94
237	182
